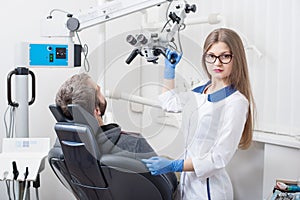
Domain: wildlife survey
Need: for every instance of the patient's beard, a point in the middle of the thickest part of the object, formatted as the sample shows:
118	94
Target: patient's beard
100	120
102	107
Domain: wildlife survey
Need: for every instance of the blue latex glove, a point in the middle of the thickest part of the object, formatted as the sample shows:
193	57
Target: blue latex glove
169	72
159	165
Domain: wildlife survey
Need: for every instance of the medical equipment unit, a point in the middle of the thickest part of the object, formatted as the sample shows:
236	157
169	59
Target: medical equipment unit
149	45
22	158
21	102
53	55
21	162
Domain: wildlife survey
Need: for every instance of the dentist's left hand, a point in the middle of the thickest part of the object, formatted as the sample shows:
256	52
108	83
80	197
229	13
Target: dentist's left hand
159	165
169	71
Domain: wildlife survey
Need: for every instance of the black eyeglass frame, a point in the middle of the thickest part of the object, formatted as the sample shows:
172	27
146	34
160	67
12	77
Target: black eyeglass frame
218	57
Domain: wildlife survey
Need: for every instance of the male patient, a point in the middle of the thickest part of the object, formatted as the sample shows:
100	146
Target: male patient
80	89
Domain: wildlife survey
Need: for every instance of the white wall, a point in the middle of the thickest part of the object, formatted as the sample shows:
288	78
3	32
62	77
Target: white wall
270	25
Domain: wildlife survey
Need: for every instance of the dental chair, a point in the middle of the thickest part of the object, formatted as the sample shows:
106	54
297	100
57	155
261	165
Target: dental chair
89	175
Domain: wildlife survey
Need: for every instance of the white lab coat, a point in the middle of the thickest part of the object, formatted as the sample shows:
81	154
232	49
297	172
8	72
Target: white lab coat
213	125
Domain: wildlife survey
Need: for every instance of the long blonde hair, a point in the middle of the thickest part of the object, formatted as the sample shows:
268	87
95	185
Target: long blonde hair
239	76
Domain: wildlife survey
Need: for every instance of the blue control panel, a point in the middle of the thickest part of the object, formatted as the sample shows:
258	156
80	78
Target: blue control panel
48	55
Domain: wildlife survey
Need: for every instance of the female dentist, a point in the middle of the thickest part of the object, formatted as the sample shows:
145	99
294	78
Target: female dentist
217	118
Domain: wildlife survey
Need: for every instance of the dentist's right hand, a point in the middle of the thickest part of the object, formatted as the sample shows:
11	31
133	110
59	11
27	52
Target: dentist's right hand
169	71
159	165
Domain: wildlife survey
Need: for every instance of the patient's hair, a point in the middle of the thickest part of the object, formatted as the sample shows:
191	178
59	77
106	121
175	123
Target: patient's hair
77	90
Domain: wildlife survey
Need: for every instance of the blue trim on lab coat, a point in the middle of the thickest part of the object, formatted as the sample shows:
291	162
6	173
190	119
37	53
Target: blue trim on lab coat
218	95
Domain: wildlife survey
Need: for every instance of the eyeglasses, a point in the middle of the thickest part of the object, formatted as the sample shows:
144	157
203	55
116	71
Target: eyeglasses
224	58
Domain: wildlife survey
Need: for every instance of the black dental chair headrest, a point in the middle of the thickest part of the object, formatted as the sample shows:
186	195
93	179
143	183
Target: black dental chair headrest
79	115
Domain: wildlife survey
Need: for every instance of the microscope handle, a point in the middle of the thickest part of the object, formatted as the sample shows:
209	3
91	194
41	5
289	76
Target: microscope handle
132	55
172	59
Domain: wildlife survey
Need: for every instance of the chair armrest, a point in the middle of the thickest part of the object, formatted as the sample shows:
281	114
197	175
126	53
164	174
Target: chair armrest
123	163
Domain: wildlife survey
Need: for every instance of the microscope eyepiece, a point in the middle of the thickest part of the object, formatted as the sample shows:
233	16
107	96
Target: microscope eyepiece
142	39
131	40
